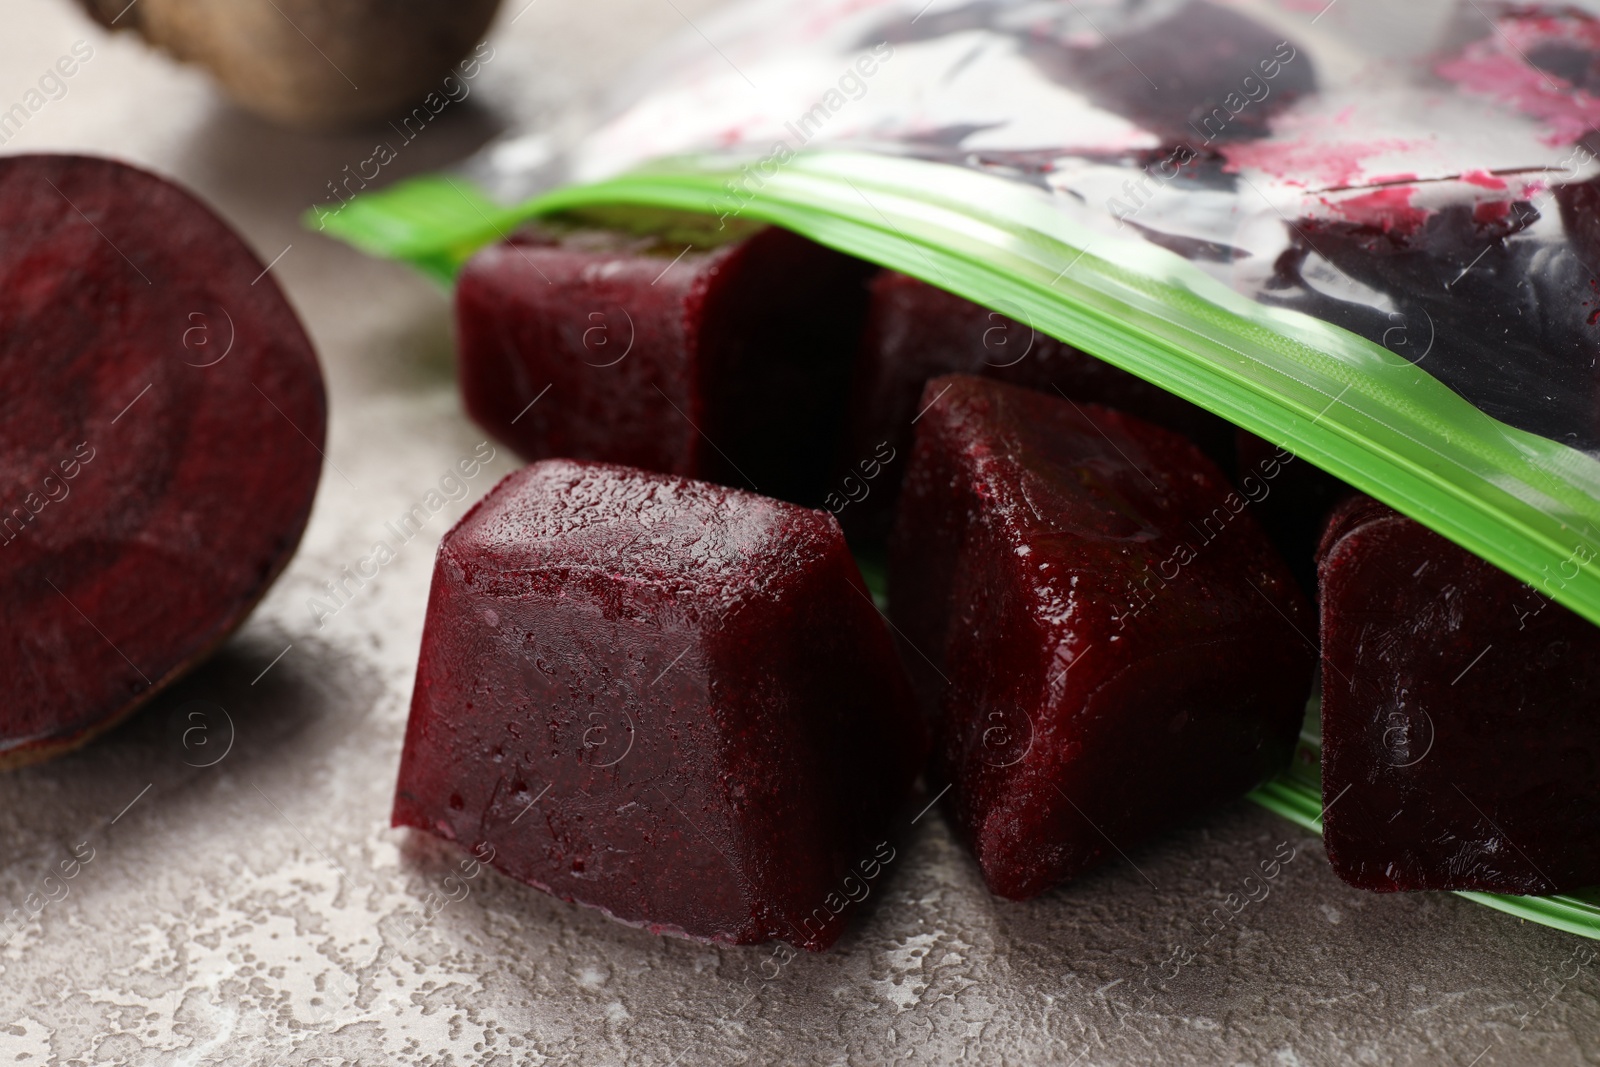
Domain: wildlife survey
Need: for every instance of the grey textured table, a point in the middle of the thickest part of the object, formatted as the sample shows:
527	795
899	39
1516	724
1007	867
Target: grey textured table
260	910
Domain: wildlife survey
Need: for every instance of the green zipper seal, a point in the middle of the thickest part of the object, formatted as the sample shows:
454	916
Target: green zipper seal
1527	504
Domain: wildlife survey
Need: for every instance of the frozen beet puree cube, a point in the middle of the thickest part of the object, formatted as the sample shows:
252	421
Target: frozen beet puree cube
1460	734
663	698
1115	644
730	364
915	331
1291	499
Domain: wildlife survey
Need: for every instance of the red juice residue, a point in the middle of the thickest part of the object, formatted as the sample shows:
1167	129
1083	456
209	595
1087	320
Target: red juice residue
1387	210
1311	160
1484	179
1490	212
1497	65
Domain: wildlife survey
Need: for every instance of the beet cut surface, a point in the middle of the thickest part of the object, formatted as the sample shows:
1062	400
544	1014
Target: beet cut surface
160	436
1117	646
729	365
664	698
1460	717
915	332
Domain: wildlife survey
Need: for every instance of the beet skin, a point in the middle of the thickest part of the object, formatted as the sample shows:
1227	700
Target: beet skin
663	698
160	437
1115	645
1460	740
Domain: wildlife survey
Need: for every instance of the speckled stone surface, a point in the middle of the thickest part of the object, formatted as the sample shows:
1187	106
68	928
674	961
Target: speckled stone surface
259	910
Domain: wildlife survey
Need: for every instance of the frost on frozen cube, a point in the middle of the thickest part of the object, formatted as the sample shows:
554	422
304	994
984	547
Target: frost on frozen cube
663	698
1114	643
1460	740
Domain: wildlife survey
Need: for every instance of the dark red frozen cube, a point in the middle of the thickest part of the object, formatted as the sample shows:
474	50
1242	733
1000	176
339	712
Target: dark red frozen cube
663	698
730	364
1291	498
1114	644
915	332
1460	716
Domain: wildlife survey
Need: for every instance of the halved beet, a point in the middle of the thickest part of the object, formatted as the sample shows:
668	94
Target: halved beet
160	442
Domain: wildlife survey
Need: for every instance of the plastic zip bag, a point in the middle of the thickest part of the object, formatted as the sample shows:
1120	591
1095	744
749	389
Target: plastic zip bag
1363	231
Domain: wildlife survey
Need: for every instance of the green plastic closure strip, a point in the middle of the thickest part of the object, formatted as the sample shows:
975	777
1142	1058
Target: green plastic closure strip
1527	504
